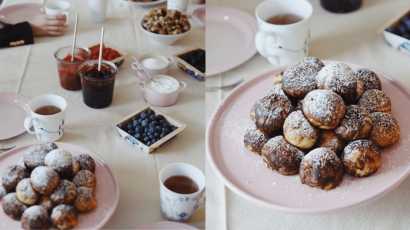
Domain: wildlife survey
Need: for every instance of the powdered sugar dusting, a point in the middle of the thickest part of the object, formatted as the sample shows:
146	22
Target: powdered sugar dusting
375	100
297	125
323	105
299	79
321	157
318	64
370	79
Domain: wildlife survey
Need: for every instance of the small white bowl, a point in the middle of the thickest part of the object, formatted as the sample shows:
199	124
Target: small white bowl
162	71
162	39
160	99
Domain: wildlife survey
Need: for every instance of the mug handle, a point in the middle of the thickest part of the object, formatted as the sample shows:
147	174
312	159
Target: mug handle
260	40
183	86
203	204
66	14
134	66
139	84
171	61
27	122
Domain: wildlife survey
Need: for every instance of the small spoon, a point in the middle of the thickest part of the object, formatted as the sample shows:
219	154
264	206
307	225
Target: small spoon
138	63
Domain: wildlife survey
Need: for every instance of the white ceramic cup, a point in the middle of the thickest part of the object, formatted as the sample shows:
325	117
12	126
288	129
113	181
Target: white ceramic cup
98	10
160	71
46	127
180	207
283	44
180	5
58	7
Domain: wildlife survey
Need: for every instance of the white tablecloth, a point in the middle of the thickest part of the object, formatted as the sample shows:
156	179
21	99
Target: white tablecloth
31	71
346	37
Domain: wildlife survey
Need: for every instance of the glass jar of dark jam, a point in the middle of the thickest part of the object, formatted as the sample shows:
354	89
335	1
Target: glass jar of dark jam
341	6
67	69
98	89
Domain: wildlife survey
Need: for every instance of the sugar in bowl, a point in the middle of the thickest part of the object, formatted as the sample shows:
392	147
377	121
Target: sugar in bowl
164	93
154	64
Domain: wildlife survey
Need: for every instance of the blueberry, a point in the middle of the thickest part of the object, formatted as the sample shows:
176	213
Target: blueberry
121	126
165	125
150	112
133	119
155	123
152	130
137	129
160	117
158	128
144	135
407	24
153	140
174	128
401	29
149	143
202	70
151	136
162	135
146	130
138	136
143	115
165	130
130	126
404	19
406	36
144	124
152	117
140	120
161	122
184	57
135	125
131	132
152	125
149	133
194	61
146	139
156	134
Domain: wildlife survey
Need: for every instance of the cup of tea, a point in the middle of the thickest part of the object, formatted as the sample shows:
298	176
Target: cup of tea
47	115
181	187
58	7
284	30
98	10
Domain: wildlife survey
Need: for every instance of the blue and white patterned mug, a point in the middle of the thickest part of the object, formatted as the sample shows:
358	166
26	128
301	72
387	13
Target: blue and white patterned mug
46	127
180	207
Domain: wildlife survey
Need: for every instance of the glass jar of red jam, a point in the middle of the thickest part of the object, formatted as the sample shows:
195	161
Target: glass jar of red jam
67	69
98	91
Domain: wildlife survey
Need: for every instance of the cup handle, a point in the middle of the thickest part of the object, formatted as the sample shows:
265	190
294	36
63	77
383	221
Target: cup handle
171	61
66	14
27	122
143	86
183	86
200	206
134	66
260	41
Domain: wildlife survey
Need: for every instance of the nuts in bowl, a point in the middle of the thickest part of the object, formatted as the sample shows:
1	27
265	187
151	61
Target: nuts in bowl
165	26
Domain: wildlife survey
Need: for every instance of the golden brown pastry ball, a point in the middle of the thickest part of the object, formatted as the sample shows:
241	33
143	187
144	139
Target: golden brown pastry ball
321	168
375	100
339	78
35	217
299	79
27	171
49	145
299	132
86	162
47	203
318	64
299	106
355	125
61	161
329	139
370	79
85	178
359	88
64	216
385	131
64	193
282	157
271	111
278	78
35	155
76	166
11	176
12	207
3	191
255	139
44	180
25	192
361	158
323	108
86	199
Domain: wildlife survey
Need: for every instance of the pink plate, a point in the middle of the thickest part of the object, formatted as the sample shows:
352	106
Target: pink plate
199	15
14	108
245	173
107	189
230	38
167	225
21	12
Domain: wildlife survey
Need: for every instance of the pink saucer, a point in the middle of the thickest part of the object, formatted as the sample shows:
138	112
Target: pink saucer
230	35
246	174
107	189
13	112
167	225
20	12
199	15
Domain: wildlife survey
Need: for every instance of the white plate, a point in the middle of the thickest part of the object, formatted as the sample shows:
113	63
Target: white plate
230	38
14	108
138	4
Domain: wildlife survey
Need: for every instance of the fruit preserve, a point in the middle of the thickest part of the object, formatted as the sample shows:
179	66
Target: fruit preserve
67	69
97	86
